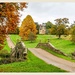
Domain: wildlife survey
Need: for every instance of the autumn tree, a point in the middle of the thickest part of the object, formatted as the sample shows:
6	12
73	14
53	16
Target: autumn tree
9	18
27	26
61	26
2	36
16	31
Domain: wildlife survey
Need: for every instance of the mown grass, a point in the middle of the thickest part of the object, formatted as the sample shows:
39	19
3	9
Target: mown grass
28	44
65	46
58	55
31	64
6	47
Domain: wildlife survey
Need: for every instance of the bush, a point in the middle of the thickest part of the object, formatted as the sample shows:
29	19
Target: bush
5	61
4	53
32	37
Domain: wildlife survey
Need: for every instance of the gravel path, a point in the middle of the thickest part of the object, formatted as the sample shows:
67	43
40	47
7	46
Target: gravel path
48	58
51	59
10	43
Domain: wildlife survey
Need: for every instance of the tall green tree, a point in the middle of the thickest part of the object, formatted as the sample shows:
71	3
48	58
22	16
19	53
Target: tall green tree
60	30
49	25
61	26
60	21
53	30
72	31
73	34
37	27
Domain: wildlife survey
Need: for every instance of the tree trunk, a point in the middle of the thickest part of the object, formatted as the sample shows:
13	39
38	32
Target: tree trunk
31	41
59	36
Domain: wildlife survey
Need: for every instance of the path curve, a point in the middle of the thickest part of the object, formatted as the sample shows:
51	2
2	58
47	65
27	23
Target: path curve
48	58
51	59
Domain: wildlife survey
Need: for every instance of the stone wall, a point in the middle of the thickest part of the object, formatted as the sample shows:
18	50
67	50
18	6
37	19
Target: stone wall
19	52
73	55
51	47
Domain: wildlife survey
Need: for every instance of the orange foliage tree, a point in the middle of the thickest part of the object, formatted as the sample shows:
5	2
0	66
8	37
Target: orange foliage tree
9	18
28	26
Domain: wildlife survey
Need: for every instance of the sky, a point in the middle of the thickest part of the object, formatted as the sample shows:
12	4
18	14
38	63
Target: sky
42	12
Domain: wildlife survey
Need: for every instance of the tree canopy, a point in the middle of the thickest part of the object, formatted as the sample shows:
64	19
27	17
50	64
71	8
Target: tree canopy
61	26
49	25
72	30
27	27
9	18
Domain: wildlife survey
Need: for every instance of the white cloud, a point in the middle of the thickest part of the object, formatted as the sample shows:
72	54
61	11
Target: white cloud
49	11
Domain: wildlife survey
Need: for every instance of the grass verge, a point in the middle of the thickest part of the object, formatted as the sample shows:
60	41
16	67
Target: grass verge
65	46
32	64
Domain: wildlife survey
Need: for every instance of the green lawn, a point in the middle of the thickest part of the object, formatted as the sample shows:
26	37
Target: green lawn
6	47
28	44
32	64
65	46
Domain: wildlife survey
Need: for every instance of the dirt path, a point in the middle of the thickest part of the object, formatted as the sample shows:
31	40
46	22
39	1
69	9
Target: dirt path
48	58
10	44
51	59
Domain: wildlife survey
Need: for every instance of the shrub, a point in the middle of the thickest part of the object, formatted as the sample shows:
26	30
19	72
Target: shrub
4	53
32	36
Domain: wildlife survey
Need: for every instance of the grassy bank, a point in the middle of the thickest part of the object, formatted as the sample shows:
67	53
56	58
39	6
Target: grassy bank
6	47
28	44
65	46
32	64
